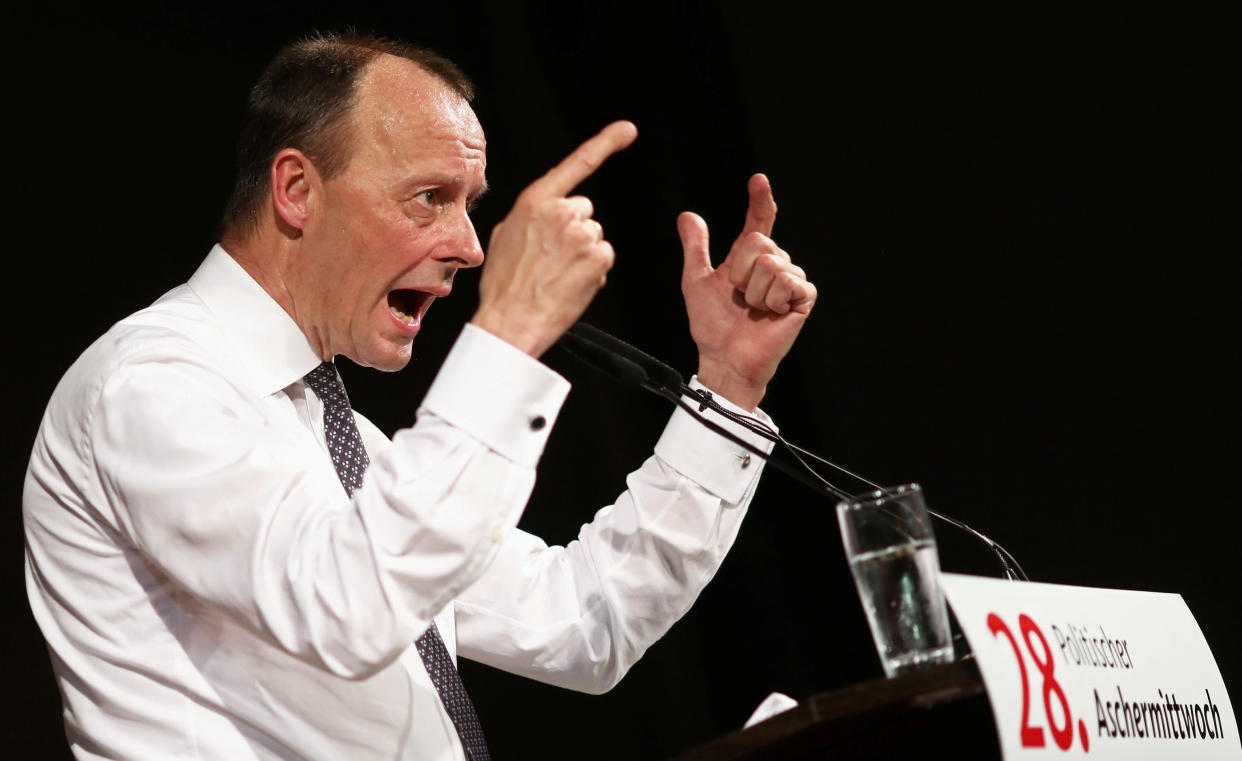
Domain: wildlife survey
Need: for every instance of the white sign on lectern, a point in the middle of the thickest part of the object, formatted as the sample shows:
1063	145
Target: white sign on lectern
1076	672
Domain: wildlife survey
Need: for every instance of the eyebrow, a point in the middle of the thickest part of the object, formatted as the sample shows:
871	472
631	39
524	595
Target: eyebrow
472	201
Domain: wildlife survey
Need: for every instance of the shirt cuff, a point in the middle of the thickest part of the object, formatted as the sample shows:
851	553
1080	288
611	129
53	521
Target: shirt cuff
719	465
498	394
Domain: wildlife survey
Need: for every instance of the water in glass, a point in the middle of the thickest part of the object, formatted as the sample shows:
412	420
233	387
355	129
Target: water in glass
899	590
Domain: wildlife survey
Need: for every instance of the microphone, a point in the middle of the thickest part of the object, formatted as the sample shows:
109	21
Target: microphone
613	356
622	369
635	368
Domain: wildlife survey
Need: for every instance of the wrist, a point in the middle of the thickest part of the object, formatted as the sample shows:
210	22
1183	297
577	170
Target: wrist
741	391
511	332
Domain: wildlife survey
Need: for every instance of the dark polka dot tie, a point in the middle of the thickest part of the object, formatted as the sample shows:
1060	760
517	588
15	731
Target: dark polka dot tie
349	457
453	693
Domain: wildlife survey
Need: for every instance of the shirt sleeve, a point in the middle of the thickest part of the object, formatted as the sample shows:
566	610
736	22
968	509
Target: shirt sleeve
579	616
243	515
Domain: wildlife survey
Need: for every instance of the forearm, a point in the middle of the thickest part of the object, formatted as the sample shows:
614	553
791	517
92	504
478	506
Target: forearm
579	616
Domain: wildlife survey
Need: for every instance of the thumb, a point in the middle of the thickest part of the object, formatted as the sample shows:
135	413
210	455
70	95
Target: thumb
693	231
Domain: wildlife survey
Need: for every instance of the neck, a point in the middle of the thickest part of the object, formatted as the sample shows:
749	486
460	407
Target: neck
266	255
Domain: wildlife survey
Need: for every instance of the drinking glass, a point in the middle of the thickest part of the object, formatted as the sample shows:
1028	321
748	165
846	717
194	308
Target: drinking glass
892	554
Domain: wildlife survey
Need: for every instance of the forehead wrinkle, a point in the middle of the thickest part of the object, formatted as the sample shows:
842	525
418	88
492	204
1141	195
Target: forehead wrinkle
400	95
406	117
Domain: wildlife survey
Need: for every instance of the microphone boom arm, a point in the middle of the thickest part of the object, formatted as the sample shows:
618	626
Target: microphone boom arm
631	366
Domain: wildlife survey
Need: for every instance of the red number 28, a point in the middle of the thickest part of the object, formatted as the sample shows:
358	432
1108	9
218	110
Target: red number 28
1064	736
1033	737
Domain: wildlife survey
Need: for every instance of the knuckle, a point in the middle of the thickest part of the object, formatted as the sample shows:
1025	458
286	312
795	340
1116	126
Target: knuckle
757	240
539	210
527	201
582	235
769	265
584	156
557	212
603	255
582	205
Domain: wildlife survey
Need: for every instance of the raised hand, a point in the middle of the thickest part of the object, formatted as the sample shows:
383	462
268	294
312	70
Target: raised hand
746	313
548	258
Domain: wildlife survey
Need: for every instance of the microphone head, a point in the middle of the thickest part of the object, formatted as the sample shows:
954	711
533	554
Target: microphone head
619	368
661	374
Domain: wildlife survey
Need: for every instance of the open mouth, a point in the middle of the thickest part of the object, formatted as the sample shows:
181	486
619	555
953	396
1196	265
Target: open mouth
408	305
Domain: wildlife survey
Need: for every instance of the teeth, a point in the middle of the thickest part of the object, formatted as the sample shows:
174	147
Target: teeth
401	315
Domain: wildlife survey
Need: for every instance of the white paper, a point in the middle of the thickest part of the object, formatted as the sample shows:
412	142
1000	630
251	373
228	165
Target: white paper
1109	674
771	705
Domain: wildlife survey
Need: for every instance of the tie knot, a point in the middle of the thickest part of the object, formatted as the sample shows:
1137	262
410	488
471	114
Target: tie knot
325	381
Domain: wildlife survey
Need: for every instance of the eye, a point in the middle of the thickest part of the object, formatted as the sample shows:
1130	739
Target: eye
428	197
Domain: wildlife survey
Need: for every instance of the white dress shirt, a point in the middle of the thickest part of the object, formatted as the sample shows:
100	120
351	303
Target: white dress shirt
209	592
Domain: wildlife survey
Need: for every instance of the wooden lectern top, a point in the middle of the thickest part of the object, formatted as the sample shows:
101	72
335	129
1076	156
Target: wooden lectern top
938	712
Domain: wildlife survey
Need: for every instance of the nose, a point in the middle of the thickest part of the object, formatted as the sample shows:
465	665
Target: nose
464	248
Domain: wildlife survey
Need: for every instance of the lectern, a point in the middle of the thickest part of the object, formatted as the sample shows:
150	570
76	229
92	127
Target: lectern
940	712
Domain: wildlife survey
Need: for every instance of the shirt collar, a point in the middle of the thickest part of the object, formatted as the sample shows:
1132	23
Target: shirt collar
274	349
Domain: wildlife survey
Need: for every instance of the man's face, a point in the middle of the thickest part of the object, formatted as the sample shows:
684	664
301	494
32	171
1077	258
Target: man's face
391	230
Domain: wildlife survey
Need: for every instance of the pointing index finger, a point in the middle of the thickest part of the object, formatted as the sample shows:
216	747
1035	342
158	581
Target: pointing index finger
586	158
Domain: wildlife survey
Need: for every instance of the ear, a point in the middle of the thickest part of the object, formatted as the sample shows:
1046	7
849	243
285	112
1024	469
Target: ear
294	184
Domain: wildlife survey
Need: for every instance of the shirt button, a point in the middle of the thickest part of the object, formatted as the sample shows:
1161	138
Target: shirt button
496	534
745	458
537	423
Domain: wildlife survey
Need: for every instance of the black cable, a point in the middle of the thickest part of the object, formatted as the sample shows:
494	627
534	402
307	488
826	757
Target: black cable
1013	570
633	367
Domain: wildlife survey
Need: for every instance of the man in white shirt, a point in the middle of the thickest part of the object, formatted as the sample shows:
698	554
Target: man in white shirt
207	588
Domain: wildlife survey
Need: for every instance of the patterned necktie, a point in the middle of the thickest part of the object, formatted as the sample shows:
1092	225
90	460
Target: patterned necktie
349	457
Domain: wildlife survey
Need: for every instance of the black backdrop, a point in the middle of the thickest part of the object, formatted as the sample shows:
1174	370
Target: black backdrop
1024	223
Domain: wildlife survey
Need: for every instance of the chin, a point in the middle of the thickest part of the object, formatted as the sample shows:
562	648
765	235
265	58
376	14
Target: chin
392	367
391	362
388	358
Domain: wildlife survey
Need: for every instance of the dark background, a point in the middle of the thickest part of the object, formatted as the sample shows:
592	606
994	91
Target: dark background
1023	222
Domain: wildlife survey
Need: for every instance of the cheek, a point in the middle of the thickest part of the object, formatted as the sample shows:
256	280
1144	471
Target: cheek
402	246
